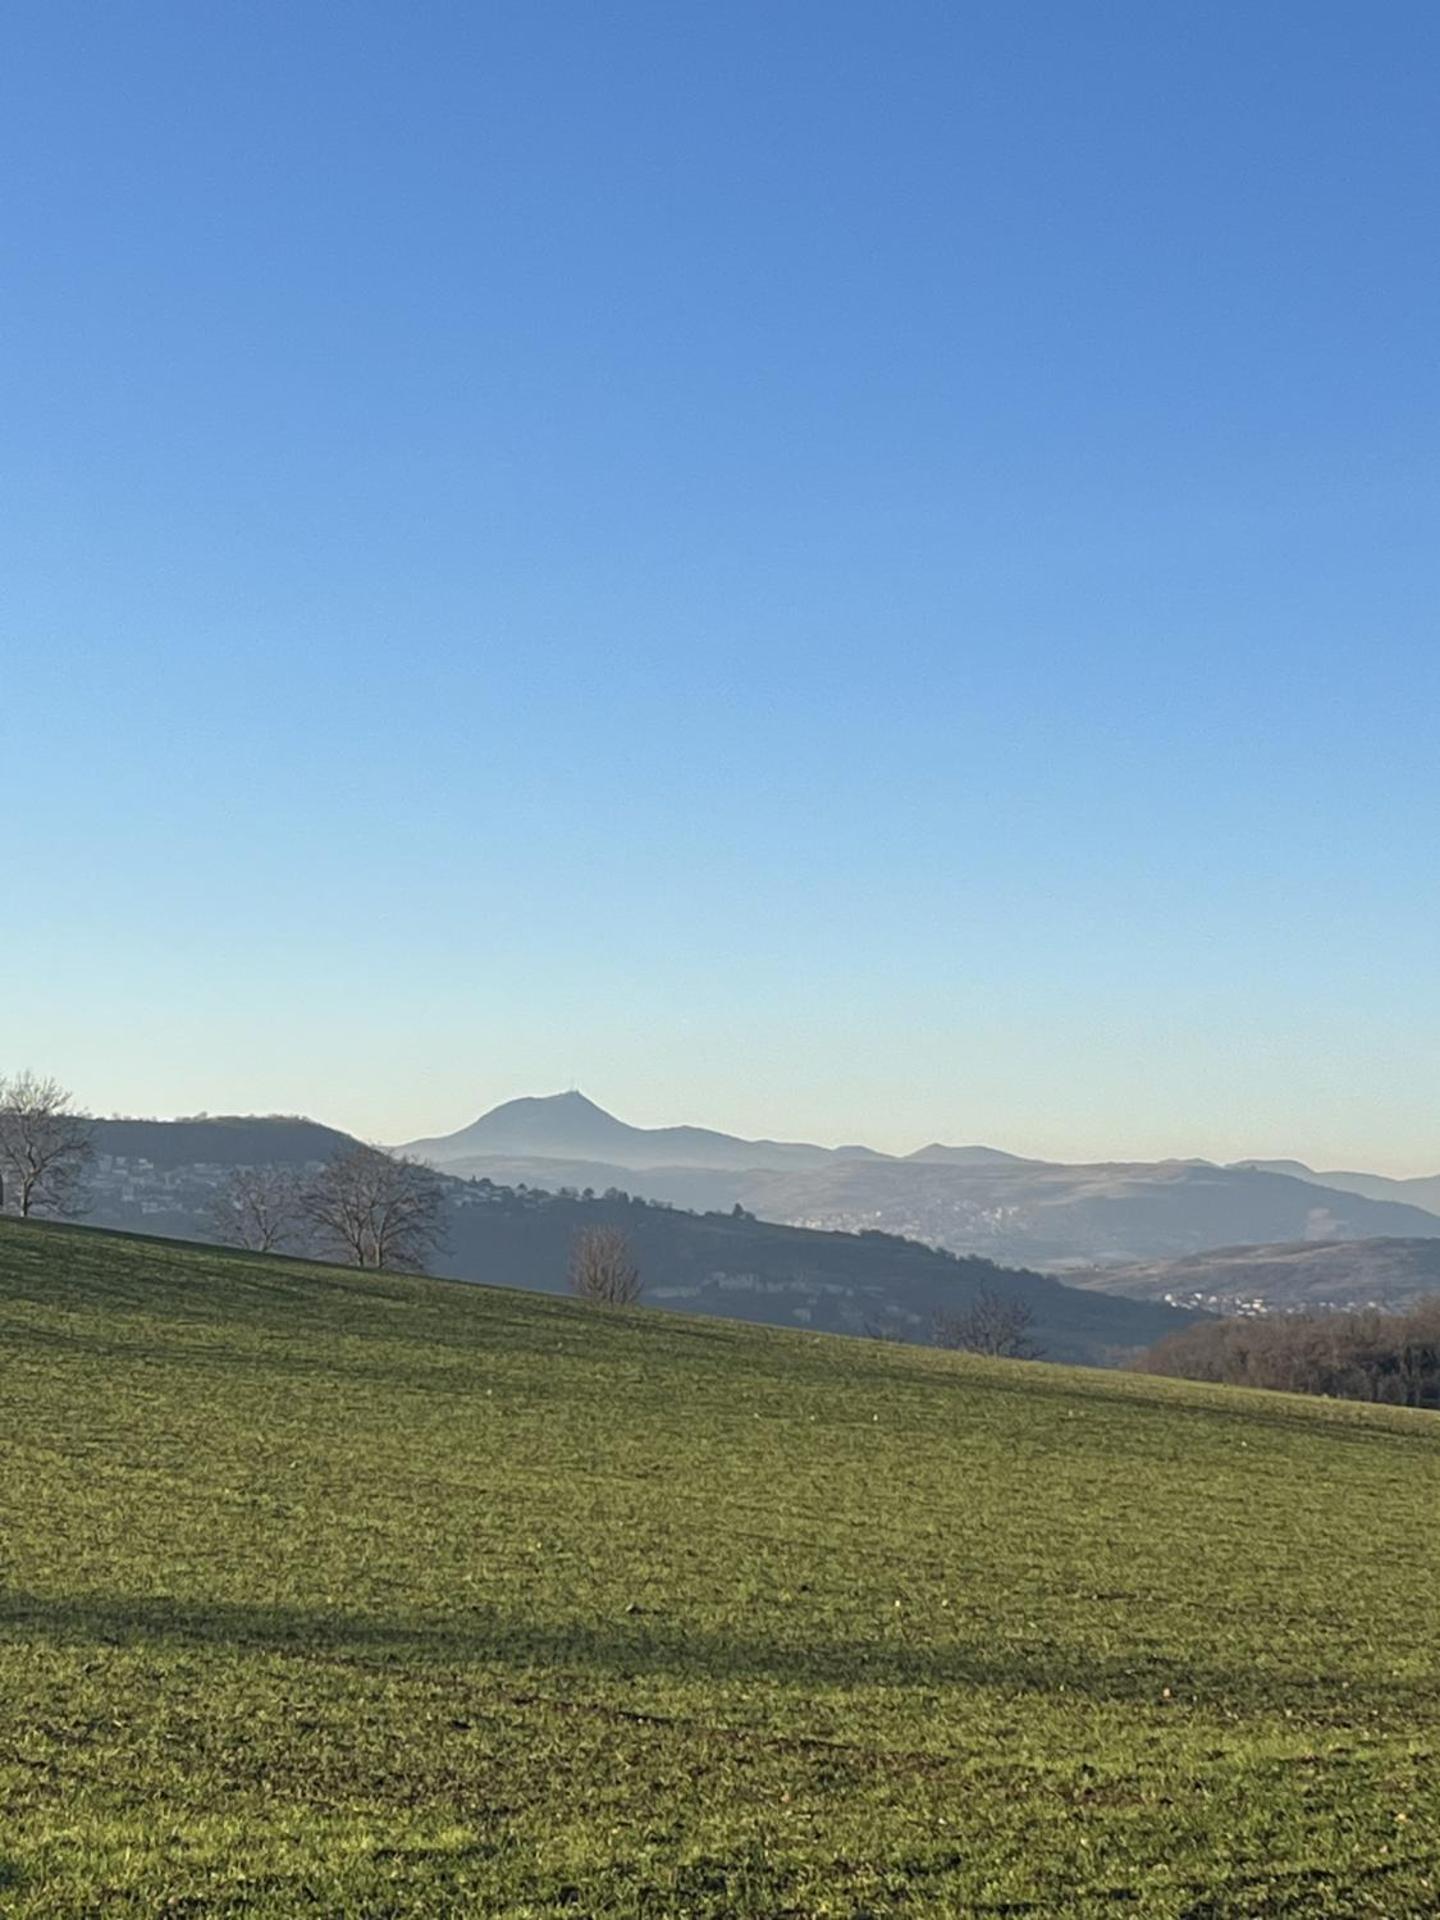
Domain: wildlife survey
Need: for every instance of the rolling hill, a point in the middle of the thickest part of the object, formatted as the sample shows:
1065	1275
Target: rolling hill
977	1201
1422	1191
747	1269
1059	1217
230	1140
737	1267
1328	1274
365	1596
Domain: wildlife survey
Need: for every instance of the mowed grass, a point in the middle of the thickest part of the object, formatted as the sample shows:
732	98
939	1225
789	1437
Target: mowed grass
333	1595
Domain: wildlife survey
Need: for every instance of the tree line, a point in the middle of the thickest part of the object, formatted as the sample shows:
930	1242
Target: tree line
1365	1354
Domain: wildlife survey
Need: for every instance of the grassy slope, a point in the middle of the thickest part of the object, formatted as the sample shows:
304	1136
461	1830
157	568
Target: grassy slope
348	1597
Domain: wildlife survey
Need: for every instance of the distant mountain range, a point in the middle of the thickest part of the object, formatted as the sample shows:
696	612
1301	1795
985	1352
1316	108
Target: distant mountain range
571	1128
969	1199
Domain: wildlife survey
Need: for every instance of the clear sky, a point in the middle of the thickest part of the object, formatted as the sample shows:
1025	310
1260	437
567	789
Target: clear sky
851	571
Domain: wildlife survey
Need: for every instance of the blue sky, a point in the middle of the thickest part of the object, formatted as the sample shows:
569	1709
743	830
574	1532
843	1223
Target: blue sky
849	571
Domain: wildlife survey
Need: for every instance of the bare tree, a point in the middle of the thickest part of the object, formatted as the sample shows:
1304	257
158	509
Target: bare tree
602	1268
46	1146
259	1208
992	1324
373	1210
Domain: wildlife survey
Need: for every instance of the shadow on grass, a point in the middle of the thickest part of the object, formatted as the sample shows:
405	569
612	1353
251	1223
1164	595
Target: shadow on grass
629	1648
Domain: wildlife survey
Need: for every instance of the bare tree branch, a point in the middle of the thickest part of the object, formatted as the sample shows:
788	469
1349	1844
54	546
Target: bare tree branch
373	1210
259	1208
991	1324
602	1269
46	1146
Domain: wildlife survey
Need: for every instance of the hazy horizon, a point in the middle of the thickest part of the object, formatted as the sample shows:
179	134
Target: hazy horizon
897	1143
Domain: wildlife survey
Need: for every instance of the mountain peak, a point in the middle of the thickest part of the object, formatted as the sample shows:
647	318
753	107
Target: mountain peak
569	1126
936	1154
572	1099
569	1114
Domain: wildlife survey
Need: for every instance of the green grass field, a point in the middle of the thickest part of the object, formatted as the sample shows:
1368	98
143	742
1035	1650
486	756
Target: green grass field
331	1595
